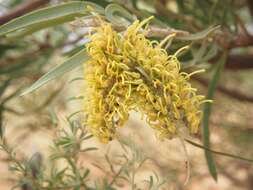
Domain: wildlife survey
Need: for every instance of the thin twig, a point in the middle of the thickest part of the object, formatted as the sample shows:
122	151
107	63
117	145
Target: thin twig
154	31
217	152
187	162
230	92
22	9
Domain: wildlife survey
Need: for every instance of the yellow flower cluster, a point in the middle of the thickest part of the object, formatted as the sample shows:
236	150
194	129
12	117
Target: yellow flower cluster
129	72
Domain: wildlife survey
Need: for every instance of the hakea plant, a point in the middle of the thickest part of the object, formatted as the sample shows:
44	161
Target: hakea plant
124	71
128	72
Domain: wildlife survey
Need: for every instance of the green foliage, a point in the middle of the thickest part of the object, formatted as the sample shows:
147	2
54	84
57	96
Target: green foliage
75	61
29	42
47	17
67	146
207	110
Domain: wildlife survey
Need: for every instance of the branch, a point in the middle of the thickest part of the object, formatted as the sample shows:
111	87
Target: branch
26	55
250	4
42	47
217	152
161	10
241	40
235	62
230	92
154	31
22	9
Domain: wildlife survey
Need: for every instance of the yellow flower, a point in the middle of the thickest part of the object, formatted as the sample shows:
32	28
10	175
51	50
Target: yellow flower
129	72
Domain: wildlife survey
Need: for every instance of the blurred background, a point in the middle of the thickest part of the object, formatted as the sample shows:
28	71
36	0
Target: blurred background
30	122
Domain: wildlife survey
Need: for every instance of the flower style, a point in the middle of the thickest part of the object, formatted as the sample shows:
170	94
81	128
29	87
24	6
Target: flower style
128	72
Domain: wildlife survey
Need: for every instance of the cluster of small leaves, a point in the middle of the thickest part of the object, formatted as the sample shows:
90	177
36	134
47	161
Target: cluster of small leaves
33	173
28	170
67	146
132	160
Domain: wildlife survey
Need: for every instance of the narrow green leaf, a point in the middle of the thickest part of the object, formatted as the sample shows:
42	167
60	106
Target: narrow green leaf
53	117
59	70
74	114
200	53
213	50
75	98
207	111
118	15
151	181
76	79
73	51
197	55
86	173
48	16
198	35
42	25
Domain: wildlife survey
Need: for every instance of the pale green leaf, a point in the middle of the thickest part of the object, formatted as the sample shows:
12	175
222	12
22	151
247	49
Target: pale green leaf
118	15
199	35
51	15
59	70
207	111
42	25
